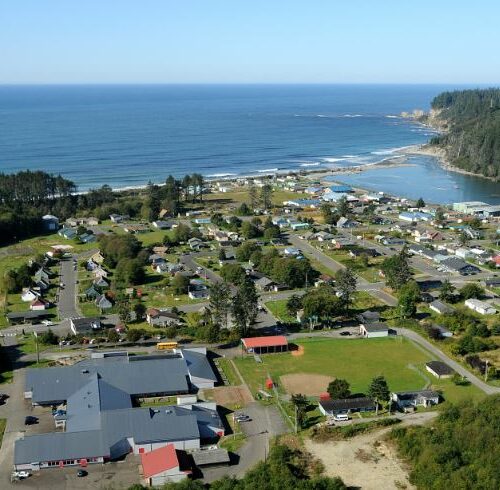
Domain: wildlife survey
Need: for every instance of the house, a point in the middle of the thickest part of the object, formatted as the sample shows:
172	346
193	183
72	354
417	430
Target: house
98	258
87	238
212	457
265	345
161	225
341	241
415	216
28	295
161	466
459	266
492	282
368	317
50	222
341	188
101	282
444	333
101	422
161	318
292	251
393	241
43	274
323	236
344	222
480	307
100	272
84	325
68	233
118	218
313	190
346	405
440	307
39	305
134	229
103	303
202	221
439	369
195	243
299	225
199	293
92	292
264	284
422	398
372	330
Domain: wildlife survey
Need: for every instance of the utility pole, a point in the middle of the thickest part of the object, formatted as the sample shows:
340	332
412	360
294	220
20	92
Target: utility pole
296	419
486	371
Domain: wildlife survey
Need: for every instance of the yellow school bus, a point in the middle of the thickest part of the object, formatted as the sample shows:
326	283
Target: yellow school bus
166	345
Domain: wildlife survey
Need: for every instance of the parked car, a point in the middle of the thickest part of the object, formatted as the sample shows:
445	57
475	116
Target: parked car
30	420
241	417
81	473
20	475
3	398
47	323
344	334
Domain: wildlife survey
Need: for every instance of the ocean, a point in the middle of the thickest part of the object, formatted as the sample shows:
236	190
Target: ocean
126	136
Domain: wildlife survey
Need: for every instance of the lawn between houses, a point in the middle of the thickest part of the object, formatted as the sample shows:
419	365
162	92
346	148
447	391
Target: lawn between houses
356	360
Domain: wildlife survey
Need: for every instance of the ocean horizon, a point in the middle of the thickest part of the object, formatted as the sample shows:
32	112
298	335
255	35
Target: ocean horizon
127	135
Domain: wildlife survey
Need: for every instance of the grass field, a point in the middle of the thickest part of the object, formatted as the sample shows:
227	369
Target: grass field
357	361
227	368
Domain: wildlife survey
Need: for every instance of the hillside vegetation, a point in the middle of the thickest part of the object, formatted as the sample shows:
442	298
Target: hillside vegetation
460	450
471	120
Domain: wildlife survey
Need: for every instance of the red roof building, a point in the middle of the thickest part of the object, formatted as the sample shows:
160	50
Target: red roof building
162	466
263	345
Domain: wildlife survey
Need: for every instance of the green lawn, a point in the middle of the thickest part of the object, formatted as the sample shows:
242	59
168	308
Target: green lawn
370	272
357	361
279	311
228	369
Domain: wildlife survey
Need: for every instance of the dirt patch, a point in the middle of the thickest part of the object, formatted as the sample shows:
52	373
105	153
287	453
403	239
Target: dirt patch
299	351
307	384
232	396
366	462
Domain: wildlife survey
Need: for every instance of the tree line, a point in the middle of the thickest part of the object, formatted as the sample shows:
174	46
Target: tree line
472	139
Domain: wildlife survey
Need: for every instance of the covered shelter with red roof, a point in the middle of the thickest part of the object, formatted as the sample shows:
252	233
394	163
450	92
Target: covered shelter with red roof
163	465
265	345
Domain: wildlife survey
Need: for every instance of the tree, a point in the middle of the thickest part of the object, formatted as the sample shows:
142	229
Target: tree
139	310
420	203
446	291
49	338
180	283
113	335
471	290
339	388
300	404
408	297
272	232
463	238
222	254
243	210
253	196
134	335
220	303
396	270
266	195
343	206
439	216
124	310
329	217
294	304
245	251
244	306
345	282
249	230
379	391
232	273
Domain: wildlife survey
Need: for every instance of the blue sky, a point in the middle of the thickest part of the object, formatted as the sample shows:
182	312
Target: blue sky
249	41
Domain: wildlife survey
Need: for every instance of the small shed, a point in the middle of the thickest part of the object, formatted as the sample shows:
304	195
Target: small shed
162	466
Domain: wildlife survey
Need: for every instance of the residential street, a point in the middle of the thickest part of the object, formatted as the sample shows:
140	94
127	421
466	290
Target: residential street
67	294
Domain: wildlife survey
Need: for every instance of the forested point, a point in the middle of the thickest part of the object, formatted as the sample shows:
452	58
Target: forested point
472	122
460	450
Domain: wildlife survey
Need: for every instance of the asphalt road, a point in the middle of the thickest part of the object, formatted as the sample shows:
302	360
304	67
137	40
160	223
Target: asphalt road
67	295
374	289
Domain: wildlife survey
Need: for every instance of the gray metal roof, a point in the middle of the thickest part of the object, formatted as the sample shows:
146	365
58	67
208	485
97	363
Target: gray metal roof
145	376
198	365
212	456
145	425
57	446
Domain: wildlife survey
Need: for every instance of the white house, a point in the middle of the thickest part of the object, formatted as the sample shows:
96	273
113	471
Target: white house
480	307
373	330
29	295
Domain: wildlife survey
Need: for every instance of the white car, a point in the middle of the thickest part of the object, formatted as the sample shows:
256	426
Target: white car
21	474
47	323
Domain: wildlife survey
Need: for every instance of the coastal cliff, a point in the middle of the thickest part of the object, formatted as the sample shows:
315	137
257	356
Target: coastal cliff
469	123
